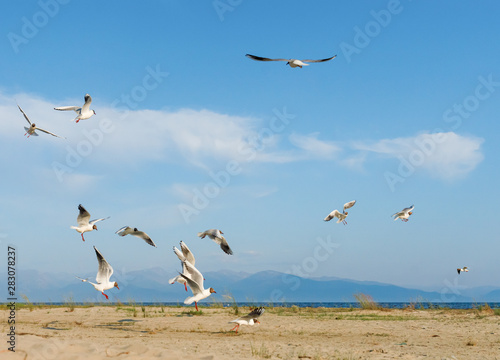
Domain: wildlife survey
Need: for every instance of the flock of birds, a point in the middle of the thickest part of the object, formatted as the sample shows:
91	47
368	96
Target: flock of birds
190	275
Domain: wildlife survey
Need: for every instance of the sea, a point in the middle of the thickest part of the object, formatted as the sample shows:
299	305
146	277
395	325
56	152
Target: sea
345	305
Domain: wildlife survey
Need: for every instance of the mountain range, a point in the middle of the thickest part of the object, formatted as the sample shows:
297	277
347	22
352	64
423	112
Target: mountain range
151	285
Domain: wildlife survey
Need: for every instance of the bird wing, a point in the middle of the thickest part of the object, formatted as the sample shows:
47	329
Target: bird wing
86	106
194	273
92	222
25	116
105	270
219	239
179	254
321	60
397	215
349	205
83	217
193	285
48	132
124	231
77	109
333	214
187	253
144	236
408	209
259	58
225	246
254	314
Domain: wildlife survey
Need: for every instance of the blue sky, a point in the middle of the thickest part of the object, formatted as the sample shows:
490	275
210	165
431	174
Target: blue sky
406	114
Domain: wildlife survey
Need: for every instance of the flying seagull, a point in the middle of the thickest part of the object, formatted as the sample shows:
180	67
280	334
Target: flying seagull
404	214
216	235
341	216
31	130
195	283
103	274
84	224
250	319
184	255
292	62
127	230
83	112
464	269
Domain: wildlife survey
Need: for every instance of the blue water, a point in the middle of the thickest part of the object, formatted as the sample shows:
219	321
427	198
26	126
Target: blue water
388	305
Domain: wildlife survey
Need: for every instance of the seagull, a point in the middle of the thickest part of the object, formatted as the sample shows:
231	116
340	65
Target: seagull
84	224
31	130
250	319
403	214
184	255
127	230
216	235
292	62
103	274
83	112
464	269
340	215
195	283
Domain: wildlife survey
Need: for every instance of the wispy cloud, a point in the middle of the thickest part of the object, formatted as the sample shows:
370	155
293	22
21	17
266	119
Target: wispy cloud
443	155
313	147
203	138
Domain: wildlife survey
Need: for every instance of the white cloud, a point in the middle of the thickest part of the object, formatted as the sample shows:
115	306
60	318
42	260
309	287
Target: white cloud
195	137
443	155
314	148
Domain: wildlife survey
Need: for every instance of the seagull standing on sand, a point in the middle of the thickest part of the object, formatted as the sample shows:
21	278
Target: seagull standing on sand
103	274
216	235
84	224
293	63
195	283
404	214
464	269
340	215
127	230
250	319
83	112
31	130
184	255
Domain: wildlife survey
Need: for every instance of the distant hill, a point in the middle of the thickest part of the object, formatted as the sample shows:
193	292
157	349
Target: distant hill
151	285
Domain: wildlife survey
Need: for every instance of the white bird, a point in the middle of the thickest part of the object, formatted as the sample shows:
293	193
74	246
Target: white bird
404	214
250	319
127	230
84	224
195	283
31	130
293	63
184	255
103	274
340	215
83	112
216	235
464	269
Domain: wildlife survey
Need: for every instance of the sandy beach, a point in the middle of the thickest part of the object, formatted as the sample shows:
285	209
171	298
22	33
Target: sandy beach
134	332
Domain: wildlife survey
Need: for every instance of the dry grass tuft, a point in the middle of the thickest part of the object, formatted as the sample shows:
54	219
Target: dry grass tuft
366	302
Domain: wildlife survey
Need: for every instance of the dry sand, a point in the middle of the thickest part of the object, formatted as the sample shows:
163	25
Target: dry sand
112	332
